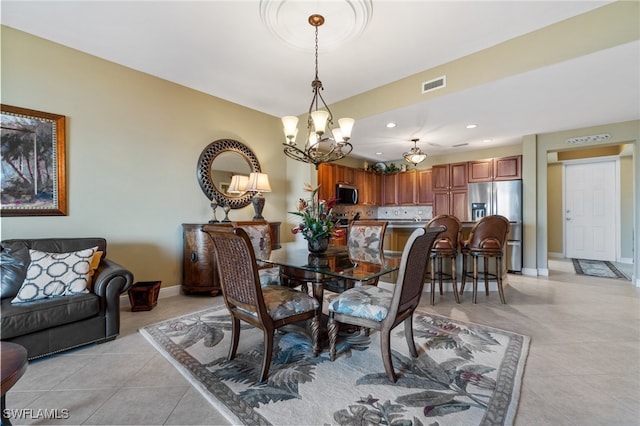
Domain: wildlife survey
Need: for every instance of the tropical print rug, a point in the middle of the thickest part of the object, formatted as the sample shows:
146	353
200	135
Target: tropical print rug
598	268
465	374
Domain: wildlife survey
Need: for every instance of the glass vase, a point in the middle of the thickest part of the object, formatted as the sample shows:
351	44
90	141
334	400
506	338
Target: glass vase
318	245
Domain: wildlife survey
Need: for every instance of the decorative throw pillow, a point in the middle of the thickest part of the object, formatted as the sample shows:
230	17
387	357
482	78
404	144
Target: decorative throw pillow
56	274
95	262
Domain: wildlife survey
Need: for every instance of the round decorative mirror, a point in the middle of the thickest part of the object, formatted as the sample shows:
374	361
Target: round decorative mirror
218	163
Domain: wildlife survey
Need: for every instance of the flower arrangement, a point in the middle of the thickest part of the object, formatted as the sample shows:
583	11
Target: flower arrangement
317	216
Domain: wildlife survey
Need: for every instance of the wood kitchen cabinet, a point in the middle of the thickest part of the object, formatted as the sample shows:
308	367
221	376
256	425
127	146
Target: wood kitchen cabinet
327	181
505	168
368	185
406	188
198	269
450	194
390	189
345	174
425	187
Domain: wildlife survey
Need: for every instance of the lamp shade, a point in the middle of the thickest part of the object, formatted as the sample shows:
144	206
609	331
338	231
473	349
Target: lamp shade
238	184
258	182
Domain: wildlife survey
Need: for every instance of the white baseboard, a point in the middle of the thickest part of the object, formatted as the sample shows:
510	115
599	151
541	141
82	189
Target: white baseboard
628	260
173	290
543	272
530	272
555	255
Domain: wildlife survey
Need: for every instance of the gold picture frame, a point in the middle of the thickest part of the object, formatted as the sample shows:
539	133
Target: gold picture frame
32	163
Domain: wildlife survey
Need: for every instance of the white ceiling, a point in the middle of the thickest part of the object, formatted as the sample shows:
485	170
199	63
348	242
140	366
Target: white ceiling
225	49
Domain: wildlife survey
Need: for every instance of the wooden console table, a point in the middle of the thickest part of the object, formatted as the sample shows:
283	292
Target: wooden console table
198	270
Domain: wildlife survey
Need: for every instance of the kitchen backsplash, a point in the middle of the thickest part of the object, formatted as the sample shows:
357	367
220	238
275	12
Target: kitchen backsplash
384	212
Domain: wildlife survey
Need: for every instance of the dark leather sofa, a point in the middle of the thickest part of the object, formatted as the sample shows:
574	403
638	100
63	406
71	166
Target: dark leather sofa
51	325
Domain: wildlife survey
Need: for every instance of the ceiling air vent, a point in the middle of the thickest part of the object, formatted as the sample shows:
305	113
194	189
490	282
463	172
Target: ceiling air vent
587	139
460	144
436	83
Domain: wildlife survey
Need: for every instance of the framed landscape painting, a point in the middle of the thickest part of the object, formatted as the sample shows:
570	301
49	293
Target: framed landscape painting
32	161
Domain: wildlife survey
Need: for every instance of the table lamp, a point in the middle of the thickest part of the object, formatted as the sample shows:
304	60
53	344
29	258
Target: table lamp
238	184
259	183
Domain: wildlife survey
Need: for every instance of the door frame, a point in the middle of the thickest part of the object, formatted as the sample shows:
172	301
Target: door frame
616	161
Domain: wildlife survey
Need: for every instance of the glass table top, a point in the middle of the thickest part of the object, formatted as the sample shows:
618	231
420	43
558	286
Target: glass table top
336	261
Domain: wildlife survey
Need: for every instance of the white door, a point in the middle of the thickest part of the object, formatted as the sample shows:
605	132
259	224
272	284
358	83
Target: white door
590	210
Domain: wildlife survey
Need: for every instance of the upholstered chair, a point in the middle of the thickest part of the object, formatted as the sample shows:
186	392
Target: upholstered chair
486	240
260	235
267	308
364	245
445	248
376	308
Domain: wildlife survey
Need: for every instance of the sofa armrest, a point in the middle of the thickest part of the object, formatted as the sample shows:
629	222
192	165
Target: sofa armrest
111	277
110	281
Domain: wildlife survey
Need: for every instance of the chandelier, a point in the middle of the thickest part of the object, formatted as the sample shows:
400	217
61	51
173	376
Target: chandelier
414	155
323	143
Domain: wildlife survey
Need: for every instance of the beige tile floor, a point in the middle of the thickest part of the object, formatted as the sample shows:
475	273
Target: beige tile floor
583	366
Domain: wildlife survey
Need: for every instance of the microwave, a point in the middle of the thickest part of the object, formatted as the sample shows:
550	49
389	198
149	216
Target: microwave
346	194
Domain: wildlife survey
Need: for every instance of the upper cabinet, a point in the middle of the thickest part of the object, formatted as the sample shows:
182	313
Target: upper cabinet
505	168
346	175
425	189
327	181
446	177
368	185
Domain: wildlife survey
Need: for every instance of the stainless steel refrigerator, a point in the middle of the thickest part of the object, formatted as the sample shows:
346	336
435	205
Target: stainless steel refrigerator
503	198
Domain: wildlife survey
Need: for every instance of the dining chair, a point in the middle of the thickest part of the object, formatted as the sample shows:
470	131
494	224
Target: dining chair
260	235
445	248
380	309
267	308
486	240
365	245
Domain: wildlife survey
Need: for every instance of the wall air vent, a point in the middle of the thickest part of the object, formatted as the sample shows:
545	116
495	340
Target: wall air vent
436	83
586	139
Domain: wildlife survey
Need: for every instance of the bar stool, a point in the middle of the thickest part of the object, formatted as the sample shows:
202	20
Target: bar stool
487	240
445	247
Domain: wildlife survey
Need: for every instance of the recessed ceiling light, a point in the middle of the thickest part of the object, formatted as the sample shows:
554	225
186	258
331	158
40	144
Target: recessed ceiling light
378	153
471	126
486	140
391	125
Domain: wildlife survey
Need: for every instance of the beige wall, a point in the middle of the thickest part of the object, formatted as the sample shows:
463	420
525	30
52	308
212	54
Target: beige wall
133	142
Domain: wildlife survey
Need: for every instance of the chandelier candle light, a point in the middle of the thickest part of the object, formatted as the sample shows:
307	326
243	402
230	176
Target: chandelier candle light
322	144
258	182
415	155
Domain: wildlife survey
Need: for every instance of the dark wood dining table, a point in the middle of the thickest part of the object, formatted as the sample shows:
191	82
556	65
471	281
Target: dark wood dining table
336	270
13	363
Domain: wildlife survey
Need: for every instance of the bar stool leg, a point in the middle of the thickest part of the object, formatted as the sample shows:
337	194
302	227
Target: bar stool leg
440	269
475	278
486	275
454	279
432	261
499	274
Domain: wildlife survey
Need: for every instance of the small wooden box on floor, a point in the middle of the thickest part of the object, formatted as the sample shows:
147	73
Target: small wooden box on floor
143	296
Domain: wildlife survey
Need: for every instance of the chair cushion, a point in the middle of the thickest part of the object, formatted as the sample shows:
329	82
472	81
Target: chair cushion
19	319
269	276
364	244
282	302
368	302
260	239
